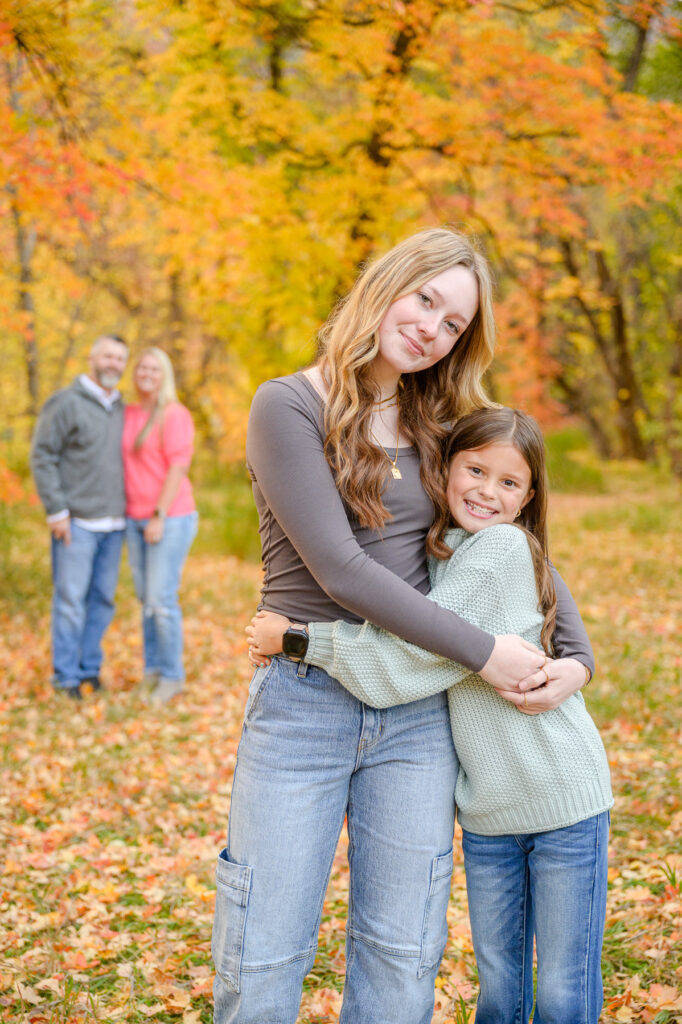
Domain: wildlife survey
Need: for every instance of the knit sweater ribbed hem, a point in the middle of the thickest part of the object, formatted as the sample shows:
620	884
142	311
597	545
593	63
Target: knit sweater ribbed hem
562	810
321	643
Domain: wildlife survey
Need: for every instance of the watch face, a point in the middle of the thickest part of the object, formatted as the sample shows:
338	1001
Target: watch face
295	643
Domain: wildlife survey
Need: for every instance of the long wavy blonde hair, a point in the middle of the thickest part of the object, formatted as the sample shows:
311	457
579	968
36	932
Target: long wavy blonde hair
429	399
167	392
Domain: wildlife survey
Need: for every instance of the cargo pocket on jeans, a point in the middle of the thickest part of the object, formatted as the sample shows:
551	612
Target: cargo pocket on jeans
435	930
233	887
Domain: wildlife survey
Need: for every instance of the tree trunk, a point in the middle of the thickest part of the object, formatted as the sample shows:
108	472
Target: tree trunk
636	57
25	239
176	331
671	415
631	407
578	402
615	354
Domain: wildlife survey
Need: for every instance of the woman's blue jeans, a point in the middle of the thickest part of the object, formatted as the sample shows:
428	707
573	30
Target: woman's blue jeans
156	572
310	753
551	885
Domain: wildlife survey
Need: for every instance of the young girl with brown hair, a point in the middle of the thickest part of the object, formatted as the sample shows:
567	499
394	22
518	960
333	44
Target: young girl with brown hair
347	475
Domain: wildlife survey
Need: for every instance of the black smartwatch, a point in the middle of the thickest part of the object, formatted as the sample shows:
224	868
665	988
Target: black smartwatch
295	642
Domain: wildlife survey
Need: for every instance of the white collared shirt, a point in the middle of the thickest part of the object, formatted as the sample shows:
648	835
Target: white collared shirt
107	398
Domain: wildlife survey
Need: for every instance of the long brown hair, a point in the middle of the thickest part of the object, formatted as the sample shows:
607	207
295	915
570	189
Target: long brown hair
510	426
429	399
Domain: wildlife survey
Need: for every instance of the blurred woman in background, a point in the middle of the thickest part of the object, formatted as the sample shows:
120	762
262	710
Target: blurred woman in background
158	437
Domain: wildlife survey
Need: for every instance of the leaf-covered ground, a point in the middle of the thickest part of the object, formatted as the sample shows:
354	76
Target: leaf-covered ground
112	813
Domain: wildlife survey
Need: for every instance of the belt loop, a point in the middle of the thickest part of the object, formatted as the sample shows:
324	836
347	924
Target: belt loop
302	670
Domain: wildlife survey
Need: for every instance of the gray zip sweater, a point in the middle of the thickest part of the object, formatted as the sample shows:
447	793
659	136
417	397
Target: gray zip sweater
518	773
76	455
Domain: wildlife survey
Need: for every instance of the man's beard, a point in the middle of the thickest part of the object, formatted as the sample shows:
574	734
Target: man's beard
107	378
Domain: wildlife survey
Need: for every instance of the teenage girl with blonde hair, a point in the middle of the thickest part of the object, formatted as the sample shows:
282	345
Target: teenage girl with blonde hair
347	473
158	438
533	791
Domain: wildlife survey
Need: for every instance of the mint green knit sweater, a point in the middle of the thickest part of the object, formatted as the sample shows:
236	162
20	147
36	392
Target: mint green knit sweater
518	773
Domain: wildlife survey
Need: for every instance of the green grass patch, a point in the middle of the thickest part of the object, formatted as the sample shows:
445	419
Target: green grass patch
637	518
571	465
228	517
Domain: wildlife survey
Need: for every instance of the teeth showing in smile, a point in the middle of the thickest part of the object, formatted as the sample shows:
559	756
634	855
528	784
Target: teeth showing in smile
479	510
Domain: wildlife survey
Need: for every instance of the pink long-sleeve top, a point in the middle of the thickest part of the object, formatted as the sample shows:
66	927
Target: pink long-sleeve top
170	442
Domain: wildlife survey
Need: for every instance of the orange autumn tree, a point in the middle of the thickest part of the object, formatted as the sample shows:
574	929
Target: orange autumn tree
263	150
49	194
352	124
602	264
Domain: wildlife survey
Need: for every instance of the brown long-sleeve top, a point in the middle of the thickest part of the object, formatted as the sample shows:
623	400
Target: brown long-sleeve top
320	565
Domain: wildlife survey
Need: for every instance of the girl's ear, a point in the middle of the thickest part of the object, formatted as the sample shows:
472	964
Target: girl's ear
525	501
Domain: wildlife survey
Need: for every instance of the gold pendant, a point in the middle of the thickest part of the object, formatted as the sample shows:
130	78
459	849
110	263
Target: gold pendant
397	475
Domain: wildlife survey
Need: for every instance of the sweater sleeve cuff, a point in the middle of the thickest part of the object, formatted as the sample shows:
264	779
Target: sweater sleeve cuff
320	645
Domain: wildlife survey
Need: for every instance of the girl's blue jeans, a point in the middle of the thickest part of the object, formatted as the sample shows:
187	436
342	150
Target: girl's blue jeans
551	885
311	753
156	572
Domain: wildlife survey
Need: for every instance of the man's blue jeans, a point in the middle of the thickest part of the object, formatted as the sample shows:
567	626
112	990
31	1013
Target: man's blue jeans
551	885
84	578
310	753
157	569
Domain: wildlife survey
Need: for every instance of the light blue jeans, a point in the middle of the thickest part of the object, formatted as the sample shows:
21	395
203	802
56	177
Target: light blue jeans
310	753
551	885
84	578
156	572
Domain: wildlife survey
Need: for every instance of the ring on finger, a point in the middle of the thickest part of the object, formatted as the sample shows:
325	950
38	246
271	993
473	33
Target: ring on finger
525	699
543	669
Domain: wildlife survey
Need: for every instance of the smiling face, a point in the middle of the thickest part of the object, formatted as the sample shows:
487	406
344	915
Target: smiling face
422	327
108	360
148	376
488	485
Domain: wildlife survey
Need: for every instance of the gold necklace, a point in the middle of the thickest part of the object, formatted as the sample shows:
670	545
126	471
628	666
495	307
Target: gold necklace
384	402
395	472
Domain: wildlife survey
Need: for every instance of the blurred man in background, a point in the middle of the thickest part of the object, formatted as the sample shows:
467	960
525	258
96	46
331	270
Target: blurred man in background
78	471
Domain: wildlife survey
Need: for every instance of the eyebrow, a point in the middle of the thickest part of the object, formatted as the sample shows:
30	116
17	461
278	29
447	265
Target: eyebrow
440	298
